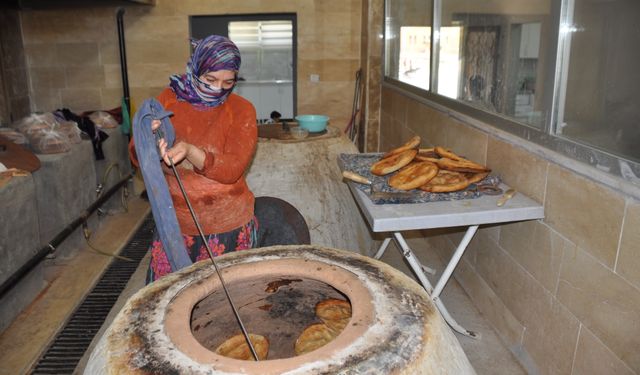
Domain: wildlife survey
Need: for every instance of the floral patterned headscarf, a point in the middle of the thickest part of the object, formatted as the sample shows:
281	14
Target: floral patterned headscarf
211	54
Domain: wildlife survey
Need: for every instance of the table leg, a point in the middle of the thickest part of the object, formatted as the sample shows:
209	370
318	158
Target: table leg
415	265
383	248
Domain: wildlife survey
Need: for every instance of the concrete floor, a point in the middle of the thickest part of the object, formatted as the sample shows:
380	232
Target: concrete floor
27	337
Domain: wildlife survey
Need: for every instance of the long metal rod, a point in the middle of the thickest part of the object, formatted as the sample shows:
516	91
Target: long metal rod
215	265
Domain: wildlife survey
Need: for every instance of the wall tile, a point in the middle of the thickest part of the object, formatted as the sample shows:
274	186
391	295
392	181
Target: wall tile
157	51
77	54
537	248
109	53
47	78
629	258
519	291
156	28
111	98
41	55
507	326
149	75
46	100
466	141
399	104
86	76
550	337
20	107
594	358
586	213
80	100
427	123
518	168
112	76
604	302
17	81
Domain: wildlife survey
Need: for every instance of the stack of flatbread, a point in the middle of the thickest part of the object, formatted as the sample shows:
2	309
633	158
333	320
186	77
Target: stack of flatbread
335	315
436	169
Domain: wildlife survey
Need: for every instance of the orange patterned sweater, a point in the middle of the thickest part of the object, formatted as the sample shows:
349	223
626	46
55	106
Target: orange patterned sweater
218	193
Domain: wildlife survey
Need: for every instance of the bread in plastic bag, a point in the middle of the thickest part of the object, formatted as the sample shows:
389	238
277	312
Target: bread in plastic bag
70	130
49	142
103	120
35	123
14	136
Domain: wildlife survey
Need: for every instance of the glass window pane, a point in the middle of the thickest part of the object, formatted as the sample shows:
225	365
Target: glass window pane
493	56
603	81
408	41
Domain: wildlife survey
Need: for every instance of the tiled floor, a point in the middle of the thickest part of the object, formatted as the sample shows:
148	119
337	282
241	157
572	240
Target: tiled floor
22	343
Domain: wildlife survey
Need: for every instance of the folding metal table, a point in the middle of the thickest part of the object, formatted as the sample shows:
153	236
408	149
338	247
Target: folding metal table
470	213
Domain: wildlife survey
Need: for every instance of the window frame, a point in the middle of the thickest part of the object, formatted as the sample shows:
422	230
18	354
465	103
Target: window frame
560	21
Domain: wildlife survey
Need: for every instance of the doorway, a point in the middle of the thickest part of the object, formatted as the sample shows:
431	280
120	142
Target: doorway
267	44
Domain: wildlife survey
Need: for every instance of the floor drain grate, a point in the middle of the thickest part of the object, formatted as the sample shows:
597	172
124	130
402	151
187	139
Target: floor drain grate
72	341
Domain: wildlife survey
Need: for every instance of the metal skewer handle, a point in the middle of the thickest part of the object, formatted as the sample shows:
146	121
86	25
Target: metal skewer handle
206	244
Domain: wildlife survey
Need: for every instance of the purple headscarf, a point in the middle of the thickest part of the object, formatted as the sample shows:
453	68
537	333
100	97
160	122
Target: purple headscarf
211	54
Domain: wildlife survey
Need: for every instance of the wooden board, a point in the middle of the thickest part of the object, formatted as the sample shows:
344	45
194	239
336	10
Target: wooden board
17	156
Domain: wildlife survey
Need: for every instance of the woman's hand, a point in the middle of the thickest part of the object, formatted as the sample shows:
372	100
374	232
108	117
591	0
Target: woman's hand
180	150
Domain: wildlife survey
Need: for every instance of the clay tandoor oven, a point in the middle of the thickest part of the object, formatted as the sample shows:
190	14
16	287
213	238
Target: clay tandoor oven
173	325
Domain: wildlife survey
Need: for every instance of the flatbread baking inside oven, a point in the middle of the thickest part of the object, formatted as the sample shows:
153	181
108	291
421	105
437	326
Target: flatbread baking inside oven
313	337
413	175
236	347
391	164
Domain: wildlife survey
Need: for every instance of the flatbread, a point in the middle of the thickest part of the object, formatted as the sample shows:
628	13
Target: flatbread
333	309
446	153
391	164
426	154
236	347
445	182
461	165
476	177
313	337
413	175
413	143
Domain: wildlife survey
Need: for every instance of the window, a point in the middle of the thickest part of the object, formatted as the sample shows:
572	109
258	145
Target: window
560	73
268	49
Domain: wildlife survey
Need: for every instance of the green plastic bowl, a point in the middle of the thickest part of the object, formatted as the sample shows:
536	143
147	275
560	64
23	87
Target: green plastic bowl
313	123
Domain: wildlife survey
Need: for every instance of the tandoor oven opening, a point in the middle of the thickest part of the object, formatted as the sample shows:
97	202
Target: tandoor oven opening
278	308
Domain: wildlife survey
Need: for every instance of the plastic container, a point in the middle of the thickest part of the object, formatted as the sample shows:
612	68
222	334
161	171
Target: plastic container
299	133
313	123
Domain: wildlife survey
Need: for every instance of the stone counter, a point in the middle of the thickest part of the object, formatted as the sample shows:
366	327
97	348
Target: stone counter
305	173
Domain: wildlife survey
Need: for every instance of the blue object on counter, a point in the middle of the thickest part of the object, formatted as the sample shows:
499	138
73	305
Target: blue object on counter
313	123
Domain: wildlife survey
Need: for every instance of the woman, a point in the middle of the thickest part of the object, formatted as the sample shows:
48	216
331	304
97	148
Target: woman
216	135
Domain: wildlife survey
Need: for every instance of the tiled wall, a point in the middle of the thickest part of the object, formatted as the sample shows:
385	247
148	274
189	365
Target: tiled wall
563	292
14	92
74	61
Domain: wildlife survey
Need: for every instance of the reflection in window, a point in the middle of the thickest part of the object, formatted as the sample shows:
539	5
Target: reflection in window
498	57
415	49
408	41
602	82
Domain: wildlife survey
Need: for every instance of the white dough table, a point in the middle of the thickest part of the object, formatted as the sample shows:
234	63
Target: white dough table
470	213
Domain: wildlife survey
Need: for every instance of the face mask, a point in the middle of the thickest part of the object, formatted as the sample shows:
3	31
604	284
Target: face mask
209	93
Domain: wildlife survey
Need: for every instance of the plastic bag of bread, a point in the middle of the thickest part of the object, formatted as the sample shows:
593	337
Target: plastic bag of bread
14	136
49	142
35	123
70	130
103	120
